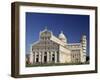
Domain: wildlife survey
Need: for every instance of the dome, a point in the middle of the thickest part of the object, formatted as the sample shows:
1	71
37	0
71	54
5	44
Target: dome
62	37
45	34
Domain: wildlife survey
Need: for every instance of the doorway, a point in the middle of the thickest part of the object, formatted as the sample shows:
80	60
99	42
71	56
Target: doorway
45	57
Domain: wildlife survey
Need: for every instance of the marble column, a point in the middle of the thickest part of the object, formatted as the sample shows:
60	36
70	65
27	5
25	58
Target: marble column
42	57
47	57
55	57
33	57
50	57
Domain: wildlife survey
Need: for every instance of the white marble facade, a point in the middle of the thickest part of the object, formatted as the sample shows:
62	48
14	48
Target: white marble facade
52	49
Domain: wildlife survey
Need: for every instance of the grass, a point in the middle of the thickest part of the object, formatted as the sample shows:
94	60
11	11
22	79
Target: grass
52	64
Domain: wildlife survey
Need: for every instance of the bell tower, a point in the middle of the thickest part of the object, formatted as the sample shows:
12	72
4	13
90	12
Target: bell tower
84	49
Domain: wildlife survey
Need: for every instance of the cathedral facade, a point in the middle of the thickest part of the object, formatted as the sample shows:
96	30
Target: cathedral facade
52	49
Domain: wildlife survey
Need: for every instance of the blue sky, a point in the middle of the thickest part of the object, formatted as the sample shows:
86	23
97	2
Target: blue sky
73	26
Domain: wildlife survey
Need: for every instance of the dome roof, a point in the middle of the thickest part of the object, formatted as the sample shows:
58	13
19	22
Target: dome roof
62	37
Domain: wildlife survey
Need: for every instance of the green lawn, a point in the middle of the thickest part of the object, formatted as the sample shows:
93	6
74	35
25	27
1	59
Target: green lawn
52	64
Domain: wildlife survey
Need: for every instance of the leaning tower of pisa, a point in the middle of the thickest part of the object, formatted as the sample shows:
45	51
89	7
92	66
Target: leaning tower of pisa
84	48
